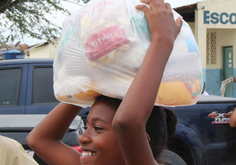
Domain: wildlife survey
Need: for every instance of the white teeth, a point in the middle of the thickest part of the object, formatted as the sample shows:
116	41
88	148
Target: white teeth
87	153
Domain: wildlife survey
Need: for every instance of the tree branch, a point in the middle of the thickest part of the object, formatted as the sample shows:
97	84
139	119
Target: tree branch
5	6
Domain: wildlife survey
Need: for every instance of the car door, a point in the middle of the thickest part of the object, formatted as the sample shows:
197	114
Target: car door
40	96
218	137
209	120
13	82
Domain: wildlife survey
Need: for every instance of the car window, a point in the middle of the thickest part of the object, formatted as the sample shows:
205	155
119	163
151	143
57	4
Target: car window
10	81
43	86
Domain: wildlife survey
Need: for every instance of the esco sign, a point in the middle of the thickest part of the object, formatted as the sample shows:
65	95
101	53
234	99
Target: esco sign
222	18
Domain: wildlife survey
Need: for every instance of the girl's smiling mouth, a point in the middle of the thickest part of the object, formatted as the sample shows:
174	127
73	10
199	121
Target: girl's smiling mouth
86	157
87	153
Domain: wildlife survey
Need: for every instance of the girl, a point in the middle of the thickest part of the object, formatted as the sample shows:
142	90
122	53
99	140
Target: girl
116	132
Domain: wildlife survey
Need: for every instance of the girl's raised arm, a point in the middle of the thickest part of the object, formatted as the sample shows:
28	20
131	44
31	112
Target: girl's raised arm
131	117
45	138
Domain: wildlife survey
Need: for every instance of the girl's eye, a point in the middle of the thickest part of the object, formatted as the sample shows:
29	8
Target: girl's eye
98	128
85	127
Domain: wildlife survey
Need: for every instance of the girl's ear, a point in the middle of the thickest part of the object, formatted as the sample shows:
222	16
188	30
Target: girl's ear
148	137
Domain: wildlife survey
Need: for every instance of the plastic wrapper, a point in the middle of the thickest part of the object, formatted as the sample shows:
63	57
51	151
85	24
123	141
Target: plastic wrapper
102	47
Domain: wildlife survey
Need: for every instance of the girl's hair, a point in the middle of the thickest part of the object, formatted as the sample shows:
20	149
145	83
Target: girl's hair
160	126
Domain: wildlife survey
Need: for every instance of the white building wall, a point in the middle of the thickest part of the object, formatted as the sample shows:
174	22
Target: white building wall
52	50
215	19
213	6
225	37
44	51
40	52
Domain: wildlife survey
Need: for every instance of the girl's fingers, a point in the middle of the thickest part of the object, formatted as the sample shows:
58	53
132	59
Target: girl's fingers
144	8
179	23
154	4
160	3
151	3
168	6
157	16
145	1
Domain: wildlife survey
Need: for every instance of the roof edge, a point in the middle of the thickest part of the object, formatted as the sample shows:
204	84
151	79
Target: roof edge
186	9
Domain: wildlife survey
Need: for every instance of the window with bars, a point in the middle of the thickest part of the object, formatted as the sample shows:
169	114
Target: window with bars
211	44
213	48
208	49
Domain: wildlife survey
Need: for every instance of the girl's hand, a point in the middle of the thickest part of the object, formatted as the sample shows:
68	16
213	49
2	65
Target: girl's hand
161	21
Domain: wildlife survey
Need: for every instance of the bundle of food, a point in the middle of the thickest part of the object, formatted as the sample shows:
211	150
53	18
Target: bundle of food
102	47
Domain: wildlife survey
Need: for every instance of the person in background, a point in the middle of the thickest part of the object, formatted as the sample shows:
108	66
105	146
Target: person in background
12	153
224	85
232	120
204	93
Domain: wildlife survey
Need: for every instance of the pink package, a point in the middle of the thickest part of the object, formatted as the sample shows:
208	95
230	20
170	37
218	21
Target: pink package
105	41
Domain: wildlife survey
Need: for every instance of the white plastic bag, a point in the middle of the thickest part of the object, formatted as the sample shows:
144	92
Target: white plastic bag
102	46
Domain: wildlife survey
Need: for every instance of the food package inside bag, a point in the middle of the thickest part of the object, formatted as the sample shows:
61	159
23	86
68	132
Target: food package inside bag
102	47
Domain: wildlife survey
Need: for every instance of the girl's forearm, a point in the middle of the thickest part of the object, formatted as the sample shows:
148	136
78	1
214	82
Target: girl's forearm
143	91
55	124
45	138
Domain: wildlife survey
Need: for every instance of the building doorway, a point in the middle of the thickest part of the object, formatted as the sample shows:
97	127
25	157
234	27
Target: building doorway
228	69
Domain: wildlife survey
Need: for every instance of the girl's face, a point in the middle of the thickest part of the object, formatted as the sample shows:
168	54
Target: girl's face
98	142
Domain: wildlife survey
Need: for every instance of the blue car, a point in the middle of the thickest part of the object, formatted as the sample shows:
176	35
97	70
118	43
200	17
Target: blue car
203	135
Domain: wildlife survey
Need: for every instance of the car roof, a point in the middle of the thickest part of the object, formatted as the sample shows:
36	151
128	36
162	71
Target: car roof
26	61
215	99
27	122
202	99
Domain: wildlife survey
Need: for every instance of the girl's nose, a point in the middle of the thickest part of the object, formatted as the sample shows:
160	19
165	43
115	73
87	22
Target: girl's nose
85	137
